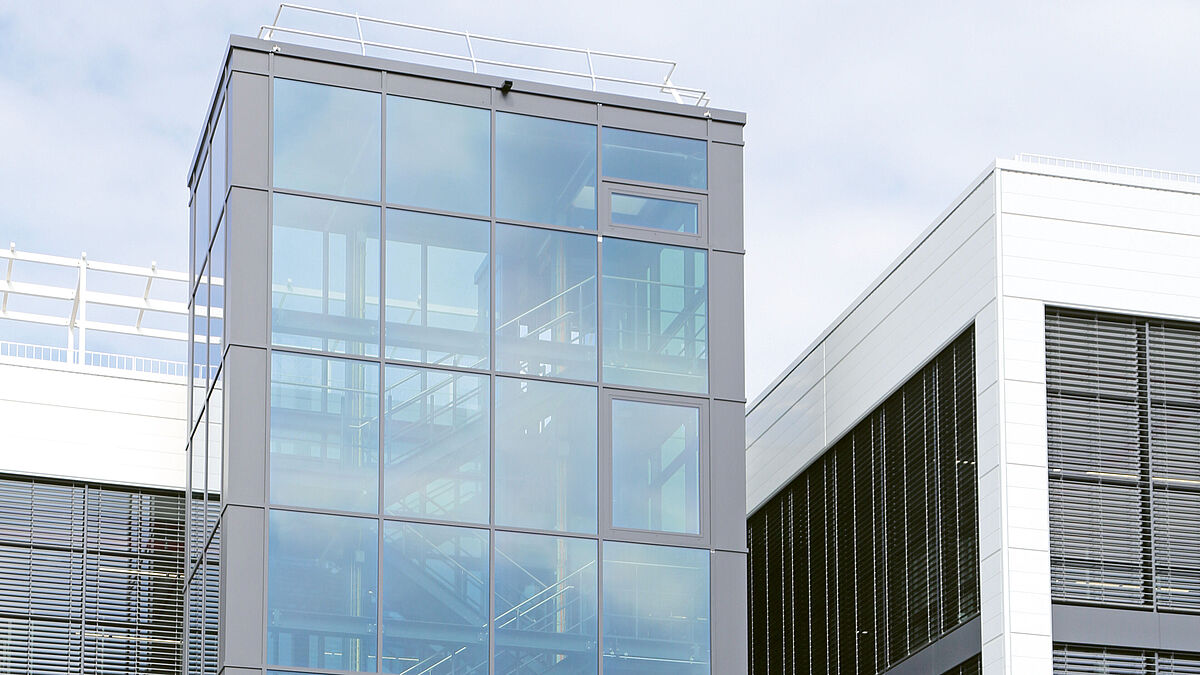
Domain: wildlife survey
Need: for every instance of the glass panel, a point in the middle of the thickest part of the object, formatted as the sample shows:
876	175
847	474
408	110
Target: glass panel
545	604
655	609
327	139
655	316
218	167
438	289
659	214
325	275
216	299
656	466
545	171
200	344
435	599
439	156
545	302
436	447
654	158
322	578
545	455
324	436
203	210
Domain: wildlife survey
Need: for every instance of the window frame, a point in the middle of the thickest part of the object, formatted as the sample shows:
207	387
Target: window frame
610	187
608	531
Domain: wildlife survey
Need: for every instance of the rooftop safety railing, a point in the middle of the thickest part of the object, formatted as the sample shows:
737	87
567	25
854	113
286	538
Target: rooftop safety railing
1111	169
55	291
596	68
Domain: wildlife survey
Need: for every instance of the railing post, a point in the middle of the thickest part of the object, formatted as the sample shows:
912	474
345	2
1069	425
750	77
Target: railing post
471	52
81	319
362	45
591	70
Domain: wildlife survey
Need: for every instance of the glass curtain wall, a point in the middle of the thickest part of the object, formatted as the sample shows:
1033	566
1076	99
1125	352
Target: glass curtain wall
446	321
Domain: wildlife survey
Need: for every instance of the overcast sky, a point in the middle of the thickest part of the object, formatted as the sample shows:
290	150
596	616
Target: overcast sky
865	118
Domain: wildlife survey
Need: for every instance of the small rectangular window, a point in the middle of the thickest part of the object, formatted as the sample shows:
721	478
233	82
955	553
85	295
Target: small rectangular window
668	215
654	158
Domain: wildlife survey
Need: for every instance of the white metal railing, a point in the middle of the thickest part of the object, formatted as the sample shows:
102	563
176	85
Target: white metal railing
74	298
1111	169
471	47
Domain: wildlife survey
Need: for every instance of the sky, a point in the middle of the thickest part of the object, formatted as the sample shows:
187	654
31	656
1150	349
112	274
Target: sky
865	119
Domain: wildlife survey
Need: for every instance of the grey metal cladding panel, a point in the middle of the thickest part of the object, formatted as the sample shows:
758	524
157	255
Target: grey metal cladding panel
233	670
725	197
242	563
945	653
248	61
725	132
327	73
245	429
437	90
247	301
1179	632
728	611
546	106
643	120
249	152
727	461
1127	628
726	339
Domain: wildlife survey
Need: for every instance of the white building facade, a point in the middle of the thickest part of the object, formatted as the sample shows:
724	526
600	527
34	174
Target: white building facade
1029	242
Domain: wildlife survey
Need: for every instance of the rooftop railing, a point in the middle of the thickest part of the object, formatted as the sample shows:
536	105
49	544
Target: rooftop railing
1111	169
368	36
80	296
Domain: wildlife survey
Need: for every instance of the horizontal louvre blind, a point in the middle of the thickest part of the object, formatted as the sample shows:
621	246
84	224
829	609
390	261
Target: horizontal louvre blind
1076	659
871	553
91	578
1123	413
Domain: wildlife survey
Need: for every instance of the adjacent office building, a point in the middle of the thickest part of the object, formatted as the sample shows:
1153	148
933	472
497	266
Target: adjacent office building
477	404
991	461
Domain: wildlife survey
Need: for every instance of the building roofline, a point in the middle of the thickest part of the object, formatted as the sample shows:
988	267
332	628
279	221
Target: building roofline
252	44
1015	166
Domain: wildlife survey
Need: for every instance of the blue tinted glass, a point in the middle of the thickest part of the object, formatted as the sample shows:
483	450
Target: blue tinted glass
655	609
218	168
438	285
324	432
200	343
435	599
439	156
436	444
545	302
327	139
325	275
216	298
545	604
656	466
659	214
545	455
655	316
203	206
322	578
654	158
545	171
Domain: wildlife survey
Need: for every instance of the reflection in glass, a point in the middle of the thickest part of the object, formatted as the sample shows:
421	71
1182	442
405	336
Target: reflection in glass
545	604
200	349
436	447
656	466
654	158
322	578
655	316
545	171
327	139
324	433
325	275
545	303
545	455
437	289
218	152
203	208
216	299
655	609
435	599
658	214
439	156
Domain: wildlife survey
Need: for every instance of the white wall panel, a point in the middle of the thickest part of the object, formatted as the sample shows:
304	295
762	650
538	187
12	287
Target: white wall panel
95	424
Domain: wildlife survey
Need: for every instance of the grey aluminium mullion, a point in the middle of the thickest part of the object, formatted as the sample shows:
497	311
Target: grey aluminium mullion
604	422
266	446
492	275
380	403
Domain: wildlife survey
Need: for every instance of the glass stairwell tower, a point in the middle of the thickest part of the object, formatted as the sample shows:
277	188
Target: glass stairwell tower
480	362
